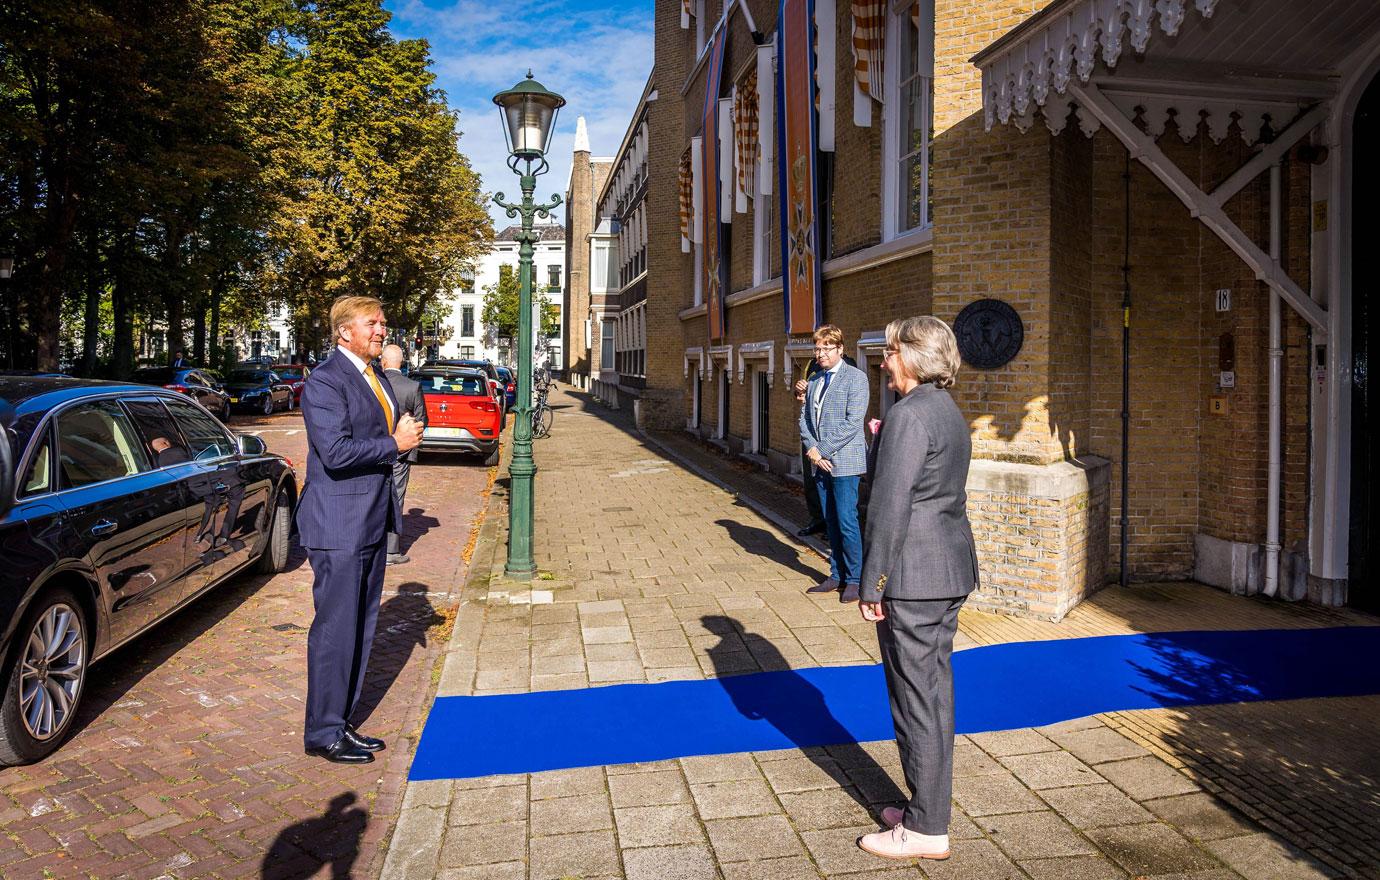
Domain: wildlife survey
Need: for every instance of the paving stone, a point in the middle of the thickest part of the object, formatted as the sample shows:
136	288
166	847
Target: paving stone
416	845
560	663
1095	806
648	789
1151	848
752	839
1201	816
969	760
741	797
828	808
1096	745
836	851
719	768
484	844
588	812
626	651
504	871
567	783
1072	868
1265	857
801	774
604	607
616	670
484	806
657	826
974	860
1087	722
606	635
1035	835
994	794
1050	770
1146	778
574	855
670	863
1002	743
795	868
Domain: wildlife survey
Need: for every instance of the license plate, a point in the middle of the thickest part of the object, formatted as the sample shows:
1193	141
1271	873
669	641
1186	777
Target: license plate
443	432
234	400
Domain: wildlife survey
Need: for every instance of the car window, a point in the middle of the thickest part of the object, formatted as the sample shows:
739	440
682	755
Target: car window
96	442
155	375
206	439
163	442
248	376
441	384
39	478
195	378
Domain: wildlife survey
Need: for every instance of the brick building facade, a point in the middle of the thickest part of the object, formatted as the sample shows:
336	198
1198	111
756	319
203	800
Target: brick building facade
1066	159
587	177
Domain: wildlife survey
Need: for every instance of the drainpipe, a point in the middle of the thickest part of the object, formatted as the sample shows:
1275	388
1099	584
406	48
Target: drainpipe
1276	364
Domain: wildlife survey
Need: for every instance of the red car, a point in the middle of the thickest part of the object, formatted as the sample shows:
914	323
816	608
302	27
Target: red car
461	414
294	375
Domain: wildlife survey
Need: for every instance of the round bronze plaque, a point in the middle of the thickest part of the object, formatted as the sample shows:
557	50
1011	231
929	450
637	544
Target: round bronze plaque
989	334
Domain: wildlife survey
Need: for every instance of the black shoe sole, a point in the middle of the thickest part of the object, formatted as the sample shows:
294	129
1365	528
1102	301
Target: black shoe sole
334	759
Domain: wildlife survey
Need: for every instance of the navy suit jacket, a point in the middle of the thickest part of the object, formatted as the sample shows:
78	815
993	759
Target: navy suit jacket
347	502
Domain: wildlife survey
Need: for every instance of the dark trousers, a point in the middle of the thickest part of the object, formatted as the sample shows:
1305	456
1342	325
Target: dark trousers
402	470
839	497
812	505
917	641
346	587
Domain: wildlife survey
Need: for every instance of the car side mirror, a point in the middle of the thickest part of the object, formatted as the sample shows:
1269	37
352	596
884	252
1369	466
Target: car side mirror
249	445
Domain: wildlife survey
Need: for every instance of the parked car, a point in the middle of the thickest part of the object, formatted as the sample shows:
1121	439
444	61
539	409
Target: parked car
461	415
259	390
197	384
262	360
508	379
119	505
485	367
295	375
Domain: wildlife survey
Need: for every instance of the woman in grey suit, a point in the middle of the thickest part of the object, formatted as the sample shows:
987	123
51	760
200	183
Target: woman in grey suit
919	564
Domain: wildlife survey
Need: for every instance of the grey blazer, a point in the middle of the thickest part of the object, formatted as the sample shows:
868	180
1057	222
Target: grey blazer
408	393
918	543
839	431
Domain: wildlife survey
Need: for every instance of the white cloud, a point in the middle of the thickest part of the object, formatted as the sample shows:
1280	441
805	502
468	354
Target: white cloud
597	57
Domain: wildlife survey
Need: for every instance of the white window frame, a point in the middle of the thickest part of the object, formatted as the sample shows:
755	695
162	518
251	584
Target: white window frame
755	441
872	346
762	212
608	327
721	357
898	17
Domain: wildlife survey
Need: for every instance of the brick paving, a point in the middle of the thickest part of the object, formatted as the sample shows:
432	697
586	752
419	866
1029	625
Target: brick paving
660	559
187	760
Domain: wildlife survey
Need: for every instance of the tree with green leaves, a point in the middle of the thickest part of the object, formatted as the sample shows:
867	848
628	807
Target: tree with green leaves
501	310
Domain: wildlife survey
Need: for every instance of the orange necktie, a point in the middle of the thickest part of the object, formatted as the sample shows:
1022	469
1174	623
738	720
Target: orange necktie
378	392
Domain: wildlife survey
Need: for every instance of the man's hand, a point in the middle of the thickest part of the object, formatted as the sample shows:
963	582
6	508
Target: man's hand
825	465
408	433
871	611
799	388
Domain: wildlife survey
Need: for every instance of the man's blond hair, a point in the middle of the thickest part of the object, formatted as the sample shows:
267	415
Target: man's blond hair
828	334
345	309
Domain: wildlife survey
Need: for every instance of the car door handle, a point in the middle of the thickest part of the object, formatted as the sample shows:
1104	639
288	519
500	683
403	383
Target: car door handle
104	527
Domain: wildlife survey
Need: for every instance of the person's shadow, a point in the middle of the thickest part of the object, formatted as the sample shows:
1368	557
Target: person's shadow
332	838
797	709
416	523
402	625
761	542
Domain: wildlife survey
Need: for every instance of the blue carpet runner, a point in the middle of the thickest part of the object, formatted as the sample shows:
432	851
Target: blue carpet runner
998	687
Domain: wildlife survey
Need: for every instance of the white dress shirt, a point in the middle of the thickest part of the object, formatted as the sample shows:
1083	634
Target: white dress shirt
360	365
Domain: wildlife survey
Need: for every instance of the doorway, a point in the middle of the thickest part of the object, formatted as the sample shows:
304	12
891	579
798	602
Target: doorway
1362	590
725	382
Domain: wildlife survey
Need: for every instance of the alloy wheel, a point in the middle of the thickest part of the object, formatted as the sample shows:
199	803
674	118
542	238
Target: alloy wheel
54	665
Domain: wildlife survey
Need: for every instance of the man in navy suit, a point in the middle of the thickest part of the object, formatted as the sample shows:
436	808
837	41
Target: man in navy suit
354	434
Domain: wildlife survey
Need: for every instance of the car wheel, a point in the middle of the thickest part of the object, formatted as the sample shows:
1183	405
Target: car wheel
225	411
43	687
492	458
274	557
292	401
268	404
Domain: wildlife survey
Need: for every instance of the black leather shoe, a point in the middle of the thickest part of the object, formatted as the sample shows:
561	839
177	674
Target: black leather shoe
342	751
813	528
360	741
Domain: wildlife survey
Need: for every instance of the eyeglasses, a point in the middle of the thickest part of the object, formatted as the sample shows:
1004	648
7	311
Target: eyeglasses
888	353
825	349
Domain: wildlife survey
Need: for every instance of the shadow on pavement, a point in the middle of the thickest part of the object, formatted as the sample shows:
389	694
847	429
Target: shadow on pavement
806	722
332	838
415	525
761	542
403	623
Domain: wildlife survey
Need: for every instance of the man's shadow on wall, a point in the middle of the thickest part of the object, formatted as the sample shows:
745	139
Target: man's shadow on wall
796	708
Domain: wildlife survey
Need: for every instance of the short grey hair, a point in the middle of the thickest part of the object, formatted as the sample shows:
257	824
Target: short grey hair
926	349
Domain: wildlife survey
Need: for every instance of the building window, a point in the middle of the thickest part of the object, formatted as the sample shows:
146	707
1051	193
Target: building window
761	423
553	277
467	321
467	351
606	346
467	283
909	113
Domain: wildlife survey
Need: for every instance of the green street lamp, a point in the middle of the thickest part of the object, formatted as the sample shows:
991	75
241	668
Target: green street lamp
529	113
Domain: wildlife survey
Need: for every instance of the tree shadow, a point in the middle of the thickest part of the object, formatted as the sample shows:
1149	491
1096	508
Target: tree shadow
761	542
332	839
402	625
798	711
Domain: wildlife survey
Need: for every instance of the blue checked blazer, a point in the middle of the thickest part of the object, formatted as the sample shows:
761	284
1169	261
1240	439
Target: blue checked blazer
839	434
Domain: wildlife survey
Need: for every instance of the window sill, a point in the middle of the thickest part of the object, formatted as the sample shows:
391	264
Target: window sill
698	311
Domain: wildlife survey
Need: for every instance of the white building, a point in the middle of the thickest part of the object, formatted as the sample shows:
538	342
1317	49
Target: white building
463	334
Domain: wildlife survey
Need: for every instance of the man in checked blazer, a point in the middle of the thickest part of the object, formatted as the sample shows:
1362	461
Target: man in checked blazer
831	429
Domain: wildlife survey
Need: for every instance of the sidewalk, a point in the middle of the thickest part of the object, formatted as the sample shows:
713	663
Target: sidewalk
637	542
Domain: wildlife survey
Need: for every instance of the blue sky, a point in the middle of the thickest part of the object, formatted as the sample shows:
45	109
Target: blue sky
595	54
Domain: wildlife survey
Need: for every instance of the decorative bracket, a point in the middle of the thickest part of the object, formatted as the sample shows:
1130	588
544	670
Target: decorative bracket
757	351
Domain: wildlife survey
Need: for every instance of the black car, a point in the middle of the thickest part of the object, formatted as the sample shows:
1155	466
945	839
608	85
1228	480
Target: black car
200	385
258	390
119	504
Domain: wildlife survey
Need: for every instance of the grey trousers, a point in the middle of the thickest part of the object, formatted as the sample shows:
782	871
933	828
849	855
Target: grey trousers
401	471
917	639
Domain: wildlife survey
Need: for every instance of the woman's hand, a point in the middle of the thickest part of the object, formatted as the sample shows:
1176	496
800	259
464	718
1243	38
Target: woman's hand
871	611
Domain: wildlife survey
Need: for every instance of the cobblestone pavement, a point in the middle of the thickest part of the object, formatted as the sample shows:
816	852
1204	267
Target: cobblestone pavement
187	760
651	570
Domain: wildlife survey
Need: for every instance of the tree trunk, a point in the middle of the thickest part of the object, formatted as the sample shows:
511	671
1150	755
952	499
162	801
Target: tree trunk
122	347
199	334
173	296
217	355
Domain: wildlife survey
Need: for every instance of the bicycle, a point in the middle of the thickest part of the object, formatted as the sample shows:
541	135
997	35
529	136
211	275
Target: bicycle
542	415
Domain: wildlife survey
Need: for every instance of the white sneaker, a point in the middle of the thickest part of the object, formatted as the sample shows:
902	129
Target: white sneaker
900	843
